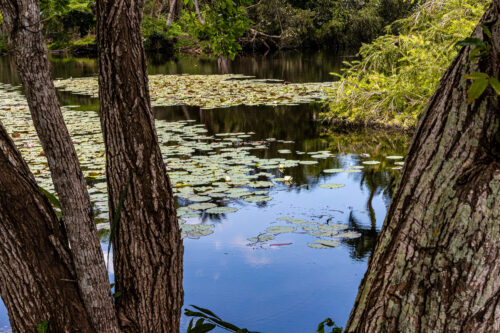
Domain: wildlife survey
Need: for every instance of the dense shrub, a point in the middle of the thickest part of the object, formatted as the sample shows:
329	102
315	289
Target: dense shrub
398	73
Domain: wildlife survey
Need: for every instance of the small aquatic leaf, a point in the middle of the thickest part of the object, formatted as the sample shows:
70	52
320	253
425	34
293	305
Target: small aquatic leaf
221	210
258	198
331	185
333	170
280	229
371	162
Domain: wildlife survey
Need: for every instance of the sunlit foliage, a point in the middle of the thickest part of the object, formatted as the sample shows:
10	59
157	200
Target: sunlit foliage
397	74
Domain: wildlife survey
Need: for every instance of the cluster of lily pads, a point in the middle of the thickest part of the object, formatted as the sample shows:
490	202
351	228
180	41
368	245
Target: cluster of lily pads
208	172
212	91
328	235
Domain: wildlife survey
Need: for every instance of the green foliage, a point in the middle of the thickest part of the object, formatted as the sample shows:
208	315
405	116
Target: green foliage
66	19
397	74
52	198
479	48
225	22
329	323
326	23
212	321
42	327
157	35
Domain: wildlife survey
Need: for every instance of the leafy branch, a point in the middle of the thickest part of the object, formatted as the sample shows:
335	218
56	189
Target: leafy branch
479	48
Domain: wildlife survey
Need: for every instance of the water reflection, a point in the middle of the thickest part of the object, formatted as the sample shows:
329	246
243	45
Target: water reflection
296	128
276	288
290	66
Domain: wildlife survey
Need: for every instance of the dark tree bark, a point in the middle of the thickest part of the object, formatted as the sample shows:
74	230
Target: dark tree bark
148	250
437	261
37	280
22	17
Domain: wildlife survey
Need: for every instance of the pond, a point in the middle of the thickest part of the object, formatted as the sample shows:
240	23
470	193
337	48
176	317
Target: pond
301	205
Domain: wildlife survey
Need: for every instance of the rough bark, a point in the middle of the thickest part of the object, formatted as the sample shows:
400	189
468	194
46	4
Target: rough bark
147	248
437	261
22	17
37	281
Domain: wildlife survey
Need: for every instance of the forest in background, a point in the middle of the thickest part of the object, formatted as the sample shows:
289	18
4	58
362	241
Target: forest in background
207	26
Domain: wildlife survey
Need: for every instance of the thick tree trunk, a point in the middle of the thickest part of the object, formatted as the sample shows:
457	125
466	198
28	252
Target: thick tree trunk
437	261
147	253
37	281
23	20
171	13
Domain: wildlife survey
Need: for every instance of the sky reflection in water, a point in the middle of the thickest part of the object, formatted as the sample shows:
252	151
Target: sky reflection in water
273	287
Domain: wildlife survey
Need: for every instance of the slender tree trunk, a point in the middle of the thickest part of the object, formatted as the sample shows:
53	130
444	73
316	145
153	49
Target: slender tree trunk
37	280
148	250
22	17
197	9
437	261
171	12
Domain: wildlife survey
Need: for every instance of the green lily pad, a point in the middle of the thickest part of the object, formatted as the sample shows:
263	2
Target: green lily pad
333	170
258	198
331	185
280	229
221	210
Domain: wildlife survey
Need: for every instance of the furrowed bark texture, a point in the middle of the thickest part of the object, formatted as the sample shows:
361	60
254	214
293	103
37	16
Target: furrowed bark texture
437	261
37	281
23	19
147	254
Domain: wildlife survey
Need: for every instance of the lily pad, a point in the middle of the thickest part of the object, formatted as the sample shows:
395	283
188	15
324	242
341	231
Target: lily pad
221	210
332	185
280	229
333	170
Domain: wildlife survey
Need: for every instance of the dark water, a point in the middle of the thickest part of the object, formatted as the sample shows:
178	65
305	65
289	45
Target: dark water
276	288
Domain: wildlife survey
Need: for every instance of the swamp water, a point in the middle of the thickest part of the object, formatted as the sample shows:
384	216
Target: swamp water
279	218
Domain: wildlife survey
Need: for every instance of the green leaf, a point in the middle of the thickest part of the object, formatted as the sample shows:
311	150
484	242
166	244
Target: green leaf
477	75
52	198
469	41
208	312
495	84
42	327
486	30
476	89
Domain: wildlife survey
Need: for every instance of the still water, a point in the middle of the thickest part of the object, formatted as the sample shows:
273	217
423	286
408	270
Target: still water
282	285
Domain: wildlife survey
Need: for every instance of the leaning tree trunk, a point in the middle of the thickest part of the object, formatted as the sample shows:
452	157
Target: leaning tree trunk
37	280
198	13
22	17
437	261
147	255
171	13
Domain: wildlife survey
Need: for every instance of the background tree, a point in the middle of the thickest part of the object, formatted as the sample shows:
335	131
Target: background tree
148	250
437	260
22	17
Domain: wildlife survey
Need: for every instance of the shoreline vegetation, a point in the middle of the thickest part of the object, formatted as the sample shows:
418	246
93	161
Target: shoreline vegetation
376	90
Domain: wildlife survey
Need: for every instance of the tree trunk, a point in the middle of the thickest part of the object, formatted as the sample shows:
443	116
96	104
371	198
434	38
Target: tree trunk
437	261
37	280
22	17
148	250
197	9
171	12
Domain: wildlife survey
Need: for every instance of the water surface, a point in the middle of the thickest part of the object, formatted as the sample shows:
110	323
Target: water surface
281	285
